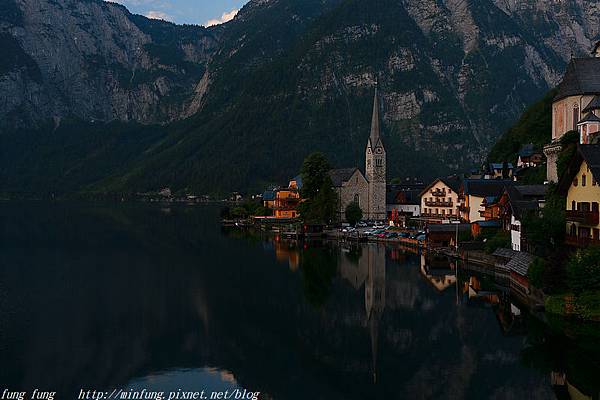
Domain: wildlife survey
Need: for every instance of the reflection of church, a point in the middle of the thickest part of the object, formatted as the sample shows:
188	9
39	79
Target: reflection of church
370	271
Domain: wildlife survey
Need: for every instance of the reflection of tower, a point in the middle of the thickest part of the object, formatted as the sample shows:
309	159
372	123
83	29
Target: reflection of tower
375	296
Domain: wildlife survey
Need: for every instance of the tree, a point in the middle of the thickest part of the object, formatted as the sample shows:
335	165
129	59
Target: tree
353	213
583	270
319	203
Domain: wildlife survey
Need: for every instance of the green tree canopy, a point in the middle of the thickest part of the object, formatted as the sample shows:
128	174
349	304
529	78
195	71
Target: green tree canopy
353	213
319	198
583	270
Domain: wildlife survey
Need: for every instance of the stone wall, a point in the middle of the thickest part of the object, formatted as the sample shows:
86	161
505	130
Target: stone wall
356	185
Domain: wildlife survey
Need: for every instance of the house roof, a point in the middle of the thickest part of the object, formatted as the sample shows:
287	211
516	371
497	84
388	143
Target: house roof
341	175
402	196
298	180
590	117
588	152
485	187
500	166
269	195
582	77
593	105
525	198
453	182
488	224
448	227
520	263
504	253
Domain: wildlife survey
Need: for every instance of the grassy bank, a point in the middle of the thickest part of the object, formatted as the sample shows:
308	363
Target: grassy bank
585	306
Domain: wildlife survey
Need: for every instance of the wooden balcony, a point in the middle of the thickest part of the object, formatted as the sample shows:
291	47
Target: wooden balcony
438	203
438	192
583	217
581	241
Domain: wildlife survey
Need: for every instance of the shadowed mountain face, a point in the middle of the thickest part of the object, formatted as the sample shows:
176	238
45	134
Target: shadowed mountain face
253	97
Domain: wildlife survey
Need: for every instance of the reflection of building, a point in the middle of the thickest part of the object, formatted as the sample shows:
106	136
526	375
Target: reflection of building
286	251
439	272
368	267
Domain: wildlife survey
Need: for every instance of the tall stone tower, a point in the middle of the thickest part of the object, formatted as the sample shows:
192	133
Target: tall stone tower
375	169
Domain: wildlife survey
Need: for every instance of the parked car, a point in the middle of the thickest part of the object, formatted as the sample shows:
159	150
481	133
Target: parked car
421	238
391	235
361	224
404	234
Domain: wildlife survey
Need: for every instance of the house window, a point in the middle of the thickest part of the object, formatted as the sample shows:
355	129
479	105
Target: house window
575	182
583	180
573	205
443	212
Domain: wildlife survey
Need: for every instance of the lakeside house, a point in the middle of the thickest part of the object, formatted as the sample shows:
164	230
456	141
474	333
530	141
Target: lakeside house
403	202
475	193
580	184
575	106
440	200
499	171
284	202
529	156
515	203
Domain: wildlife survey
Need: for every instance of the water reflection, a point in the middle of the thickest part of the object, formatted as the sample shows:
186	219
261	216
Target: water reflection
105	297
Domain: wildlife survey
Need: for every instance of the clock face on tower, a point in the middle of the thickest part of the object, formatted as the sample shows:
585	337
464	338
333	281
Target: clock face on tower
379	151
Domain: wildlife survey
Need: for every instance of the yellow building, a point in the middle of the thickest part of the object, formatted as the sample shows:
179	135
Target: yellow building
581	185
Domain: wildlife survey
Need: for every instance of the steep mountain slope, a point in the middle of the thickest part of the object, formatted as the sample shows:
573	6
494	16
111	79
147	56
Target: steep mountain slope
95	61
287	77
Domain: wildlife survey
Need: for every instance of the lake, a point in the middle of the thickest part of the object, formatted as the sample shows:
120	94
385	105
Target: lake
147	299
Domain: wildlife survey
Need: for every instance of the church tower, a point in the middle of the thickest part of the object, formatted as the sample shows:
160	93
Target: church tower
375	169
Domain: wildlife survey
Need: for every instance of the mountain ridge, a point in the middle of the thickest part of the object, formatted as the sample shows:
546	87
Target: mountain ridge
453	76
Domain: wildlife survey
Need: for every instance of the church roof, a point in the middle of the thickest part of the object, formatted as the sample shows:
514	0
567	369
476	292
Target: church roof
375	136
341	175
593	105
591	117
582	77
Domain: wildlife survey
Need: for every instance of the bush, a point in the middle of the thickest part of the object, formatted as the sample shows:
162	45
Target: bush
583	270
499	240
536	272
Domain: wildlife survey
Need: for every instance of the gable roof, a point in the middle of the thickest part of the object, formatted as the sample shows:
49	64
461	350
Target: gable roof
453	182
268	195
520	263
525	198
341	175
485	187
582	77
593	105
591	117
500	166
590	153
403	196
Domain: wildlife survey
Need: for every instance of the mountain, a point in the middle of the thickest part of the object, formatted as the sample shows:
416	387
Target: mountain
240	105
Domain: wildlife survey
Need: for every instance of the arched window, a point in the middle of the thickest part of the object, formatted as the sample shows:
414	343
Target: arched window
357	199
573	205
583	180
575	182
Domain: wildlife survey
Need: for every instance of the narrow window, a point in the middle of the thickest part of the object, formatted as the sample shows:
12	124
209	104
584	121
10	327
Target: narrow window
583	180
575	182
575	117
357	199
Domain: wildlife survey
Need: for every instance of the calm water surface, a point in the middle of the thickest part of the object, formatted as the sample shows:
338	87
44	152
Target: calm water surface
132	297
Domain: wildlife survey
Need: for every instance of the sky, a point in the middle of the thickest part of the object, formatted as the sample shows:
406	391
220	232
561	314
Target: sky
198	12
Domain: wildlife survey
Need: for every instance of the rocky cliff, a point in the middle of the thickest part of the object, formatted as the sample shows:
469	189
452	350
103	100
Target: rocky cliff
286	77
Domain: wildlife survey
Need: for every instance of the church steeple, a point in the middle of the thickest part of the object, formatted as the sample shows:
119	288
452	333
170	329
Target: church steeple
375	133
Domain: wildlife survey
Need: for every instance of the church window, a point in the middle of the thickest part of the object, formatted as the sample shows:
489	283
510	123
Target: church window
368	163
379	162
357	199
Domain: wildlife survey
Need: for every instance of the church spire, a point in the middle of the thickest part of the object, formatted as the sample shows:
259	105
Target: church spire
375	137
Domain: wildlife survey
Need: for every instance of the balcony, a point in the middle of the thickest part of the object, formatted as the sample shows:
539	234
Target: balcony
581	241
583	217
438	203
438	192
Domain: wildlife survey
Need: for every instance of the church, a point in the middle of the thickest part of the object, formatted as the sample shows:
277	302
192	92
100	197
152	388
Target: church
367	189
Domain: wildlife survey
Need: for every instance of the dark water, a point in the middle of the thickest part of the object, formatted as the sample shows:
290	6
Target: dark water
135	297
